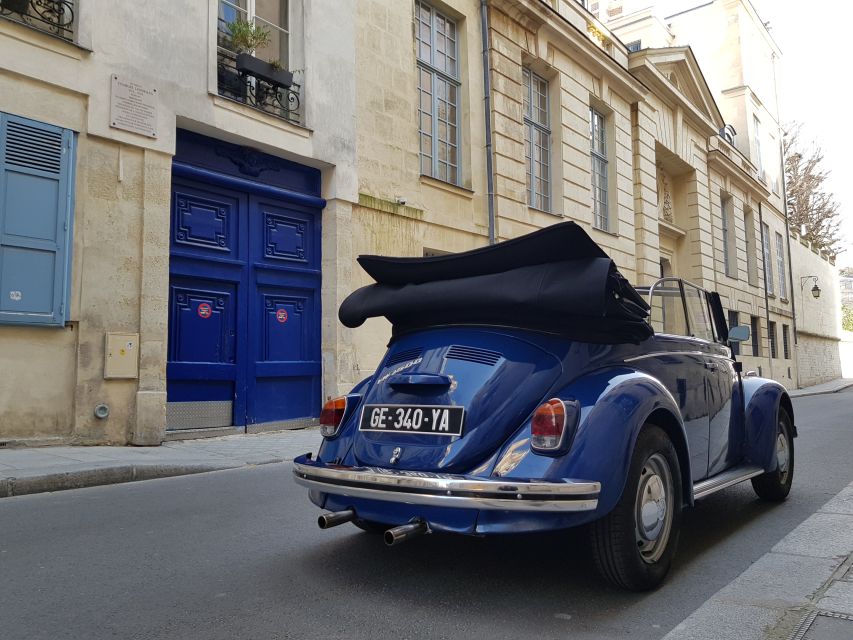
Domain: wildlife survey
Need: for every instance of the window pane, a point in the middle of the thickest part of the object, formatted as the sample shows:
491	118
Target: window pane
667	313
768	265
697	309
771	334
780	265
756	336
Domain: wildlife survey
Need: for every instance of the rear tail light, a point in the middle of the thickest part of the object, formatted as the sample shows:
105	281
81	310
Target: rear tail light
331	416
553	425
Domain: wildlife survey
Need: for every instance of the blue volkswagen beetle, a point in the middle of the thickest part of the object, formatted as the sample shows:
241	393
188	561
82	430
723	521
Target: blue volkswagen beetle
528	387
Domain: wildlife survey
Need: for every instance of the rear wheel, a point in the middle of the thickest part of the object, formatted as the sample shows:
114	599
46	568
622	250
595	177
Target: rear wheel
776	485
634	544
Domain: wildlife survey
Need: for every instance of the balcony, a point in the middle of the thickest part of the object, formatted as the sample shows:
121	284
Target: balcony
54	17
238	83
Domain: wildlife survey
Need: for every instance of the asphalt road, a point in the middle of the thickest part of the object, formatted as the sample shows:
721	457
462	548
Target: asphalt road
237	554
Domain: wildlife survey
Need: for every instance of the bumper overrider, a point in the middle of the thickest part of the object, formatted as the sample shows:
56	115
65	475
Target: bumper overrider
446	490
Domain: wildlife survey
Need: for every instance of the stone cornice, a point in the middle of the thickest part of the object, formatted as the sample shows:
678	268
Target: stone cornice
593	57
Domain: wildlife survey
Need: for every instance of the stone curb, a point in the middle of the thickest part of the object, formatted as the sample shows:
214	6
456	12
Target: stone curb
10	487
805	394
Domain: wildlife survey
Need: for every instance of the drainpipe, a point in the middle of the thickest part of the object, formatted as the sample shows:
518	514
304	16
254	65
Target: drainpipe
764	276
787	230
487	110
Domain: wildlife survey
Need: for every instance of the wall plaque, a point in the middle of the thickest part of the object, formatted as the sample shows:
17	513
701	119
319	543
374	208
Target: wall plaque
133	107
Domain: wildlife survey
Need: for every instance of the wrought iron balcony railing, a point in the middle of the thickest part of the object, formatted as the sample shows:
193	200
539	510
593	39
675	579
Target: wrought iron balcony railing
236	84
55	17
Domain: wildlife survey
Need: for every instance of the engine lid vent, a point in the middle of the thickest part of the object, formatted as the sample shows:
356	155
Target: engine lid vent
473	354
402	356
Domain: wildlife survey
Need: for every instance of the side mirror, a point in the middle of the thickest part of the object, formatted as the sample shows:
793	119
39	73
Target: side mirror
739	333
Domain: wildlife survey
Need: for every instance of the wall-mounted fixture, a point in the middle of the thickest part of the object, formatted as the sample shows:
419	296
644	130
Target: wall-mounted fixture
815	288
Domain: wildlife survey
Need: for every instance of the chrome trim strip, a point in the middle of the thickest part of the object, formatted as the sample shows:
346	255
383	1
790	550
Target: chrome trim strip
656	354
447	490
724	480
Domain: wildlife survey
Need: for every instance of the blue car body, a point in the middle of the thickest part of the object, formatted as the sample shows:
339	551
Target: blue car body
501	375
724	427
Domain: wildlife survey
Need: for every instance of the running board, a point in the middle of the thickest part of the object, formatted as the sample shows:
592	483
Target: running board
724	480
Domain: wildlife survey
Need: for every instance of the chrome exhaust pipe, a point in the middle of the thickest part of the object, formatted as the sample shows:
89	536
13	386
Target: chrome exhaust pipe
329	520
405	532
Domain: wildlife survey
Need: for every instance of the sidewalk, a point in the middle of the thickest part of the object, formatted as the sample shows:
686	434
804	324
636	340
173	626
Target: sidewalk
801	590
37	469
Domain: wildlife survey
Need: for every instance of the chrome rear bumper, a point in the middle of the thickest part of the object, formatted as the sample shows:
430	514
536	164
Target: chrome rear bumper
446	490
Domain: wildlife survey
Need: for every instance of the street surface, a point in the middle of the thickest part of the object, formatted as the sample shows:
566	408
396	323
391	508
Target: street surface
237	554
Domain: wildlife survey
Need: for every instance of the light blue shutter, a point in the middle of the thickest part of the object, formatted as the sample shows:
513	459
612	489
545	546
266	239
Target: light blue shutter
36	183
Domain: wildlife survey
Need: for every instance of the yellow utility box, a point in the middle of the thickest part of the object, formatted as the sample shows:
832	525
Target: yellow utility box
121	356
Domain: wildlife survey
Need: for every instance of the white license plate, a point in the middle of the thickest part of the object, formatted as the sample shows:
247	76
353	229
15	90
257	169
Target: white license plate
414	419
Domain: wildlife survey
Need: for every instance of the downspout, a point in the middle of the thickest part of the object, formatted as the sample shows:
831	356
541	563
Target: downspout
487	111
787	229
764	276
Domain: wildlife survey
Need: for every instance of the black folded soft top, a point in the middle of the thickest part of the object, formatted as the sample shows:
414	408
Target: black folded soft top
556	279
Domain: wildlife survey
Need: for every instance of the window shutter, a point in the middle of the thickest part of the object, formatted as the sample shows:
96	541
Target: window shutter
36	183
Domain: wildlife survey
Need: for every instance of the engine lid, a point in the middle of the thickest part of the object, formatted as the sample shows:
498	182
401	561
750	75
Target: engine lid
496	379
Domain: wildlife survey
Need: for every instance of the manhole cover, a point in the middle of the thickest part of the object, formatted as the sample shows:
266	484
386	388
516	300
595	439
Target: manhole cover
824	625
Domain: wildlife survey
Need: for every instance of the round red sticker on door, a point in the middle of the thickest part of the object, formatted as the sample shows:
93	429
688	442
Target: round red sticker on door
204	310
281	315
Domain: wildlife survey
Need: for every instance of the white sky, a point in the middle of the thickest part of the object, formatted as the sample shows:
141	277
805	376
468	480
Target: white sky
815	87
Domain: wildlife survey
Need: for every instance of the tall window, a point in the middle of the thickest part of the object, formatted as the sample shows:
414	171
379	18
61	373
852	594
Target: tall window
751	254
768	265
729	257
537	141
758	163
786	342
270	15
771	334
438	88
756	335
733	322
780	265
598	151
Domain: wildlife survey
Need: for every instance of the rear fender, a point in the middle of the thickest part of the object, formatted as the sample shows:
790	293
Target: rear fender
762	399
615	404
338	447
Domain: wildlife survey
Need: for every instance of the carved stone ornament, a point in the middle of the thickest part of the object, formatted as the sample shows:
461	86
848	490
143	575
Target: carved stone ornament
248	161
664	197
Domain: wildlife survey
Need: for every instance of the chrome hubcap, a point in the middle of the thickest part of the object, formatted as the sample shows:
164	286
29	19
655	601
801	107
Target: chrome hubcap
653	508
783	454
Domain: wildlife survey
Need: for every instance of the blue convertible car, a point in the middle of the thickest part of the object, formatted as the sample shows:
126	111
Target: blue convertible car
528	387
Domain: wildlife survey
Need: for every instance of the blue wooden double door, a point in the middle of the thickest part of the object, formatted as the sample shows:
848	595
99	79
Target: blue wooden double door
244	307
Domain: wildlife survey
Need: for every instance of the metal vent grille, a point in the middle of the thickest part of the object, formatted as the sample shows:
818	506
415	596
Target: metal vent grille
409	354
33	148
472	354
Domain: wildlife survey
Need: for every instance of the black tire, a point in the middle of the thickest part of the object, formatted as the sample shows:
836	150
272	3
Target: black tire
775	485
630	551
371	527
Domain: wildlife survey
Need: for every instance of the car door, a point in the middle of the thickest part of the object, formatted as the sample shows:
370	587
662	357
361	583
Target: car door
678	360
719	377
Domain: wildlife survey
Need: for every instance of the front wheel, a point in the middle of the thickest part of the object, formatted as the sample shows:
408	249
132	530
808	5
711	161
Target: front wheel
775	485
634	544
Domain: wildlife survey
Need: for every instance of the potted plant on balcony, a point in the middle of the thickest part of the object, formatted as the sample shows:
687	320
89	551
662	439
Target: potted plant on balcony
244	38
15	6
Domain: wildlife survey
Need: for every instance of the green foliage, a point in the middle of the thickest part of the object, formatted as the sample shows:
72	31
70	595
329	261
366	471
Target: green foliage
275	64
245	36
847	318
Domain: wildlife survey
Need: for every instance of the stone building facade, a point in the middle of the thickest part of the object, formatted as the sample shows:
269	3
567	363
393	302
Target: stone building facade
213	253
816	295
168	147
676	197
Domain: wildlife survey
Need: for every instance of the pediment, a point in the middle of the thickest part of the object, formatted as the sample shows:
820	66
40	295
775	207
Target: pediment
677	66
